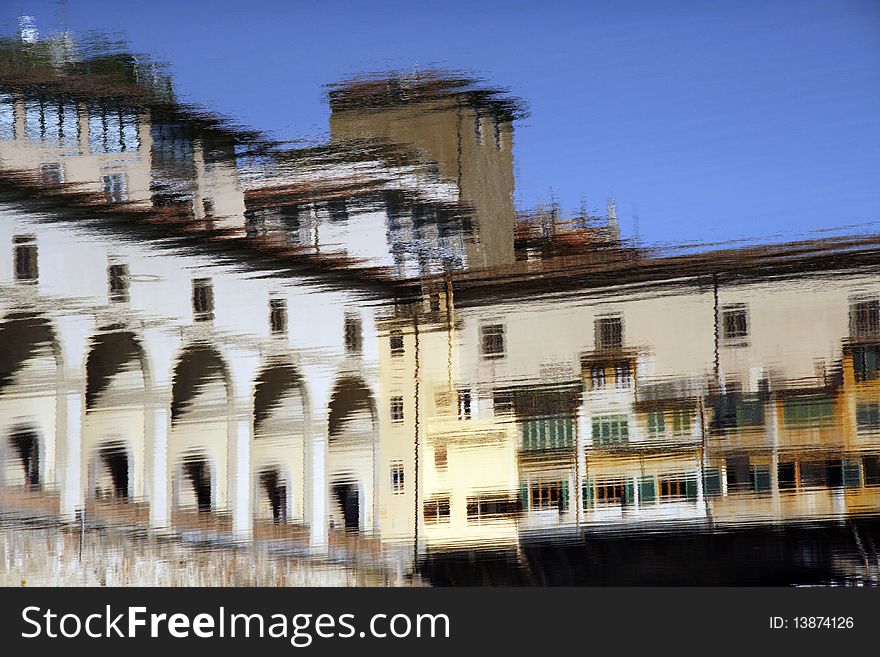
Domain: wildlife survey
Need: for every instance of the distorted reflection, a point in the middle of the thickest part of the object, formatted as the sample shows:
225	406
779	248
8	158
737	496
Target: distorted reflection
362	352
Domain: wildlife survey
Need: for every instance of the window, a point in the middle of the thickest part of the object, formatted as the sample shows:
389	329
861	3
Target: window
808	411
51	120
761	481
871	465
395	341
608	333
434	302
502	402
735	322
549	495
786	475
397	477
734	410
852	473
172	146
208	208
864	319
656	423
113	186
492	340
677	487
547	433
440	457
353	334
868	416
437	510
51	174
610	430
597	377
464	404
203	299
491	506
623	379
744	476
866	362
609	492
117	282
821	474
337	210
397	409
647	491
278	316
112	130
25	254
738	472
681	422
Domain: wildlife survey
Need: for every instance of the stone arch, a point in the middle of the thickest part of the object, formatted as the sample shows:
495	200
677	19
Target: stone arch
198	447
116	401
30	358
350	396
198	366
23	336
352	454
112	351
273	383
282	419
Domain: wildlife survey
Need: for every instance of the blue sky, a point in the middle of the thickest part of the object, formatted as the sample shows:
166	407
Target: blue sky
709	121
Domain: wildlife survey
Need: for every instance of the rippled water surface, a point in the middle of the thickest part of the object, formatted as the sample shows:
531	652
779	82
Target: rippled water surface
226	360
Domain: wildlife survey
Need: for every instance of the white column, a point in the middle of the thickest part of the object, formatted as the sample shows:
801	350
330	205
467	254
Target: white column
583	438
241	488
73	332
319	538
158	428
772	439
701	496
70	423
319	384
160	347
243	366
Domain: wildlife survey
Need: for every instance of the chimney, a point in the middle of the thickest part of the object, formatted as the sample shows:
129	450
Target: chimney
611	218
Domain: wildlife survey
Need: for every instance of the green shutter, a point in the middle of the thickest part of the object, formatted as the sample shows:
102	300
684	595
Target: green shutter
647	490
588	494
852	473
690	488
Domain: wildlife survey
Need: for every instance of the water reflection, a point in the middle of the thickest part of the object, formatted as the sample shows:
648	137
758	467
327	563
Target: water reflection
361	352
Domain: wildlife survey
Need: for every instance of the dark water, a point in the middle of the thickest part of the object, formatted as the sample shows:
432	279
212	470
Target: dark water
363	354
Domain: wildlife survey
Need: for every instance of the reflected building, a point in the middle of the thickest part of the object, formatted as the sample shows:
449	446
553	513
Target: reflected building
464	134
360	350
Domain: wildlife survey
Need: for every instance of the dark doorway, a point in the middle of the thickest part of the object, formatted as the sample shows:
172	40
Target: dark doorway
276	490
116	461
200	477
347	497
27	447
